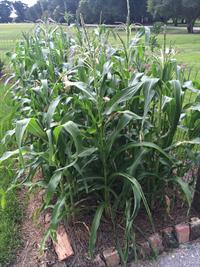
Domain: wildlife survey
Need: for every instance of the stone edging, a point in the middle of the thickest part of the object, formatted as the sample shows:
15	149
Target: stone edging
168	238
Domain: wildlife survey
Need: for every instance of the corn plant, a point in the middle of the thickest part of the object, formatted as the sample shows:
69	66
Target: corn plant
1	67
100	121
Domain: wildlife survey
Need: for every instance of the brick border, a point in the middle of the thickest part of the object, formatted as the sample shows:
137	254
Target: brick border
168	238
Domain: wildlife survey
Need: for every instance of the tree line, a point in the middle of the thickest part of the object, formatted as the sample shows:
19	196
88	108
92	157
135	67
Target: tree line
8	8
109	12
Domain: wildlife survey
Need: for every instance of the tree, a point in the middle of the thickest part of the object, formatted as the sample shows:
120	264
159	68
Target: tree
91	10
164	10
56	9
72	6
20	9
139	12
191	12
86	10
63	10
95	10
5	11
36	12
113	11
188	10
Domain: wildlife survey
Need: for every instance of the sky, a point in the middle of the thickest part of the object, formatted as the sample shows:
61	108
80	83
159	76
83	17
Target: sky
29	2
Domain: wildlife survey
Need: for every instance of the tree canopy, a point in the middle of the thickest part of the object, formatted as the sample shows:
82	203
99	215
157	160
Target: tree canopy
8	8
113	12
189	10
109	12
93	11
5	11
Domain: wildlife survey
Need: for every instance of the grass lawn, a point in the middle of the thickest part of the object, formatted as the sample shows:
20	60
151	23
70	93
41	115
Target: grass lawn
9	34
187	47
11	215
13	31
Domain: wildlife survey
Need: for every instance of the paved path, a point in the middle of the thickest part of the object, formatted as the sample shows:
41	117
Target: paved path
187	255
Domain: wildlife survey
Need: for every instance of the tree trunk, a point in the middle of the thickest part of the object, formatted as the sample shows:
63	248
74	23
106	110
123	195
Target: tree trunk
190	27
196	198
182	21
175	21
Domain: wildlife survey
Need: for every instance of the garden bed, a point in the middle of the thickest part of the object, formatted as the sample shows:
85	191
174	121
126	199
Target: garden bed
78	231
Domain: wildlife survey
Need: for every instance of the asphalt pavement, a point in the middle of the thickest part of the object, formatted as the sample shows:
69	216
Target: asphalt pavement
188	255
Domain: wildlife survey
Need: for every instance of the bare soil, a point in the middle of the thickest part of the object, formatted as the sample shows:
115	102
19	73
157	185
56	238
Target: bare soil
33	229
29	255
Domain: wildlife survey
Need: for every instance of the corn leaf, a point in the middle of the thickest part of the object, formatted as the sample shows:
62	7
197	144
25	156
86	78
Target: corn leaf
94	229
52	185
8	155
51	110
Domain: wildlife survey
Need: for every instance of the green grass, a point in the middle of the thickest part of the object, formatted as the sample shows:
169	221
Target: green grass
10	34
187	50
187	47
11	215
10	219
13	31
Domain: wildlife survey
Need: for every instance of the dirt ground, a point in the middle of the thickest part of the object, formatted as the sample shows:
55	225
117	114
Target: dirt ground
29	255
33	229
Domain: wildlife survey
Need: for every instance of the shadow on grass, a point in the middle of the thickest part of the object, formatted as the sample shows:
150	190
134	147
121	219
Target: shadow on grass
11	215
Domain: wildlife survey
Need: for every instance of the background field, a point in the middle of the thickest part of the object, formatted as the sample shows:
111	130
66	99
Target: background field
10	34
187	45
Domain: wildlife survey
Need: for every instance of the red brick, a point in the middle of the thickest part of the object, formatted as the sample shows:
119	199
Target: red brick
111	257
62	246
156	243
194	228
182	233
